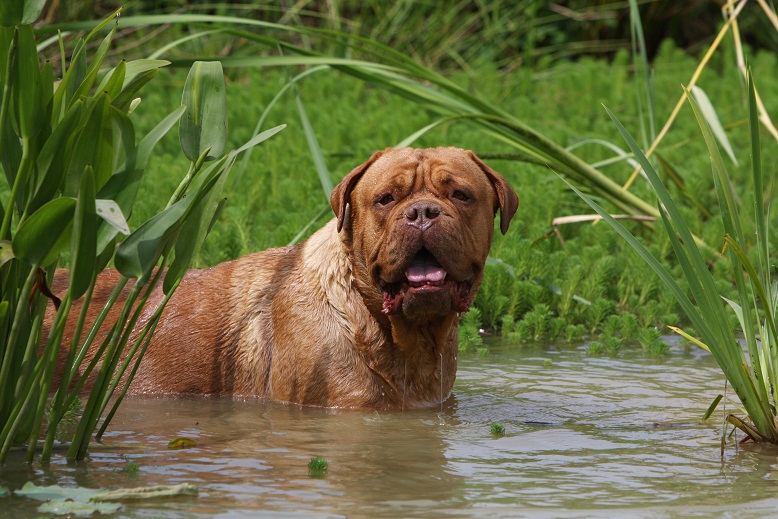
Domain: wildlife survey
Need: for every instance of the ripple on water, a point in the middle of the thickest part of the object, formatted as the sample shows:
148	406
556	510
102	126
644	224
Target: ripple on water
585	436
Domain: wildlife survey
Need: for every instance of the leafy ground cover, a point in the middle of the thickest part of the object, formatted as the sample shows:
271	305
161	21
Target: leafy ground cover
537	287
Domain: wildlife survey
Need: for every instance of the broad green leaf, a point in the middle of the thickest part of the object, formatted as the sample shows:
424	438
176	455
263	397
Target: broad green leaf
197	223
27	90
94	146
140	252
139	67
83	245
123	186
20	12
47	82
11	148
7	48
66	89
46	233
113	81
53	159
88	82
123	137
205	123
124	101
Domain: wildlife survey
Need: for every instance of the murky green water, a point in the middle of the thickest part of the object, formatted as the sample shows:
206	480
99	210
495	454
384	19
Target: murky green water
586	436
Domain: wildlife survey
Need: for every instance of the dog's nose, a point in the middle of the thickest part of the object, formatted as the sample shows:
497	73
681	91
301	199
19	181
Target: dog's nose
422	214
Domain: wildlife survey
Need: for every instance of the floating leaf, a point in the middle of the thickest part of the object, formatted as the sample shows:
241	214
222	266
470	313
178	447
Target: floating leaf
77	508
53	492
181	443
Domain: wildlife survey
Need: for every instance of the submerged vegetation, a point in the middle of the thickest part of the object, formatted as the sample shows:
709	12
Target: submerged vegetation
344	92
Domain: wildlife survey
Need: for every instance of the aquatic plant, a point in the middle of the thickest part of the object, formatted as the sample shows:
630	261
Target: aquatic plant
72	166
650	339
753	373
317	467
469	331
497	429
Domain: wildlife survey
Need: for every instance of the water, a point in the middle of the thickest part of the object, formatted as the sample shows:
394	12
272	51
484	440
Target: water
586	436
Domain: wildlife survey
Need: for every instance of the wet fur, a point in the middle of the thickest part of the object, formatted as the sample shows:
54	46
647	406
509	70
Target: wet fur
304	324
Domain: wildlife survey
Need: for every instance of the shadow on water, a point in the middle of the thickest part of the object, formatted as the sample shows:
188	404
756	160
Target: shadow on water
586	436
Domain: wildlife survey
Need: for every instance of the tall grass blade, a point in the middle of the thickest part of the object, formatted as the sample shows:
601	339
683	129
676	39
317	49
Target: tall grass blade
313	146
711	117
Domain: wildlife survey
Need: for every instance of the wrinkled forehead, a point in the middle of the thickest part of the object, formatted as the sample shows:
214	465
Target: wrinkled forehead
431	164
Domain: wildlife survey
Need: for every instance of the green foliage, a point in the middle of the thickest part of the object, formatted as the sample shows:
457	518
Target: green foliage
753	376
538	320
497	429
317	467
72	161
651	341
469	331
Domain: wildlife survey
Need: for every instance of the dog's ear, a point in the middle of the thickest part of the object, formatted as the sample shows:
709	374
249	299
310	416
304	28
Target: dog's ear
341	195
506	196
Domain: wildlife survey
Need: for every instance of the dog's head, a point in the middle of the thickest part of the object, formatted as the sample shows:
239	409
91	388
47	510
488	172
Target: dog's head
419	224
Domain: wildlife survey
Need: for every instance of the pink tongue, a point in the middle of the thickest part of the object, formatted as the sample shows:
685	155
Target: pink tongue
425	271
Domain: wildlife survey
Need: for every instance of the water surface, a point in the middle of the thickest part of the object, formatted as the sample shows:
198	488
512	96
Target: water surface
585	436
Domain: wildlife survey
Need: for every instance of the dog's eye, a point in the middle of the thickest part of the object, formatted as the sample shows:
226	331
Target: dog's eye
460	195
385	199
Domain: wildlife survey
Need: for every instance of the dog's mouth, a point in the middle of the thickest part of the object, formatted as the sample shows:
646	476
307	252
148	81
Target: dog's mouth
425	276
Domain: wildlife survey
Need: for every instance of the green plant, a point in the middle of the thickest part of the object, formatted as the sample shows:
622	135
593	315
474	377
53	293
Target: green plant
595	347
574	332
497	429
599	310
651	341
753	374
317	467
538	320
469	331
73	163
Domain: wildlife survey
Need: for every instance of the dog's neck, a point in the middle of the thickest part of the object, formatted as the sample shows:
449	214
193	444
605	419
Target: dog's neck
416	361
413	363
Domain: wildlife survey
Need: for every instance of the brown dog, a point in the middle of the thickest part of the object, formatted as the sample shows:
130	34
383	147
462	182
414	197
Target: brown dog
362	314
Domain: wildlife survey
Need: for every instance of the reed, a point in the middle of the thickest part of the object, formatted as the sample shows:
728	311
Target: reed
752	371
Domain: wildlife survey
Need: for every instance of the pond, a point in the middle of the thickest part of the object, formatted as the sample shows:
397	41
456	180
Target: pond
585	436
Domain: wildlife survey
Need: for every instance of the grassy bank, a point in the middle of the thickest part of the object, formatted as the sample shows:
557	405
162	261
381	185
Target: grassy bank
538	287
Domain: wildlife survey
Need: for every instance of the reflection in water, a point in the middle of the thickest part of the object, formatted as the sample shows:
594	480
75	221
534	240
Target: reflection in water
585	437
